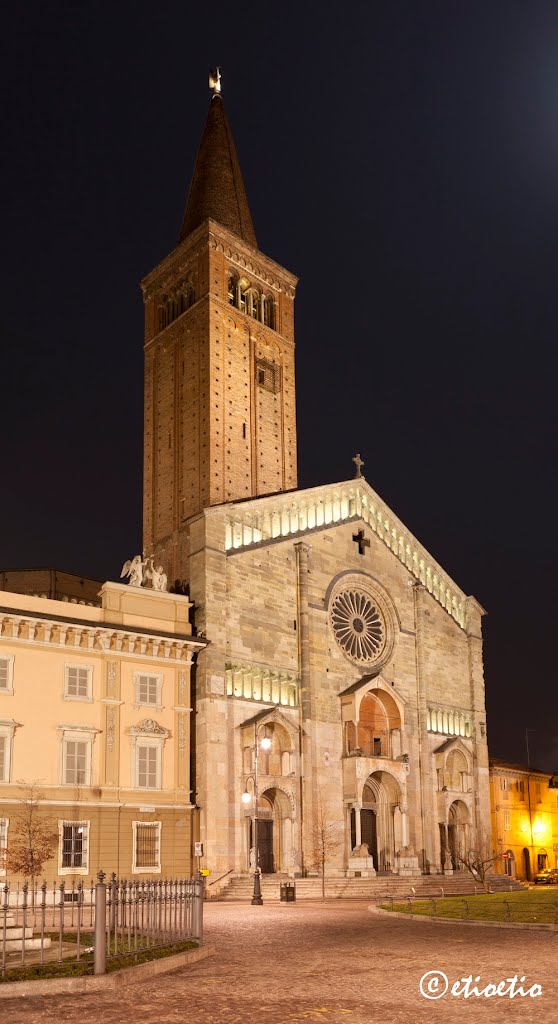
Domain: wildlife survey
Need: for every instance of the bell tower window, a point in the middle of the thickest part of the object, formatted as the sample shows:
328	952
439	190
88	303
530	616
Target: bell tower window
175	303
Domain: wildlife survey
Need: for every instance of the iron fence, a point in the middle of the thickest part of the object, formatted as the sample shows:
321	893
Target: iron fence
97	921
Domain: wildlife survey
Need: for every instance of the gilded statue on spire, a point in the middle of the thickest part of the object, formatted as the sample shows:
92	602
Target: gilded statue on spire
215	80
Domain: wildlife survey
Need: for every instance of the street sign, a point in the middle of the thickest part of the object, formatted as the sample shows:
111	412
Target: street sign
204	872
198	849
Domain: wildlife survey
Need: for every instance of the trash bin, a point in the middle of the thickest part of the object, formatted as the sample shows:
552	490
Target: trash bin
287	892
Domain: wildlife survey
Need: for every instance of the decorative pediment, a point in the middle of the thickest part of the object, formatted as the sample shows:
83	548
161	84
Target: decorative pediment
270	716
149	727
453	743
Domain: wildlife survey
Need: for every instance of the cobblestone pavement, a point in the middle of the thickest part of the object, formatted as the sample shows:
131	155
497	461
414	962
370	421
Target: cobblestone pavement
336	963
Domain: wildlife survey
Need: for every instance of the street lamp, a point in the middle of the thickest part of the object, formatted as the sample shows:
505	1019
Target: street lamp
265	744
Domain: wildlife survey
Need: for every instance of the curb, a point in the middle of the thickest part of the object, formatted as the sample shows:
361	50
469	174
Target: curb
63	986
527	926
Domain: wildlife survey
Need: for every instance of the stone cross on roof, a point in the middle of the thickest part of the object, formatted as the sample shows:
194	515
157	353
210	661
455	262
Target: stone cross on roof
358	464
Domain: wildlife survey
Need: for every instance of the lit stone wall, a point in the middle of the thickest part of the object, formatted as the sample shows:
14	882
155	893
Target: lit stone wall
253	606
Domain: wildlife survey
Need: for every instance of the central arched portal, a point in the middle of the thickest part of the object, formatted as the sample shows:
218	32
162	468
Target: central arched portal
380	819
274	832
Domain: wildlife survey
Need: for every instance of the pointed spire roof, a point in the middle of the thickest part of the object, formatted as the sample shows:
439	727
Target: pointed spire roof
217	189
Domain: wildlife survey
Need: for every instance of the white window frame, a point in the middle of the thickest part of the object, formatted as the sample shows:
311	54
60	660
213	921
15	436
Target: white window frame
507	820
88	753
156	743
7	729
147	870
84	869
88	699
8	690
77	734
4	824
157	706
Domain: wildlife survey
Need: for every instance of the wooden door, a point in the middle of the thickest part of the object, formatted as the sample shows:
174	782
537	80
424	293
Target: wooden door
265	846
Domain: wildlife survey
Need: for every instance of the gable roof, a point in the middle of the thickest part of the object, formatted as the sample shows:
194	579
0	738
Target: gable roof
271	519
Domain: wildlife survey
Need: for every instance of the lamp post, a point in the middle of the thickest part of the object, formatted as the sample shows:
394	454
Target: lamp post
257	900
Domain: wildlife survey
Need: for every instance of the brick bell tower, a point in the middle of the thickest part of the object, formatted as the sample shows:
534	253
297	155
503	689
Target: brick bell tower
219	403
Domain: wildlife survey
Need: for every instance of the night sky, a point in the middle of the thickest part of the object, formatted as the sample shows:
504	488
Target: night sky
402	160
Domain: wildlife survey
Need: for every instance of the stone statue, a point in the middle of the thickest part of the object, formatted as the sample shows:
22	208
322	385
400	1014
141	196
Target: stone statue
157	576
133	568
140	571
358	466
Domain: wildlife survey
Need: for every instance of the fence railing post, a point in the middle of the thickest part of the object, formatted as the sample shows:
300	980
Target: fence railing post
198	910
100	924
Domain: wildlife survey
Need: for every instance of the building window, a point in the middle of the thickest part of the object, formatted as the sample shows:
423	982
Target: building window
146	846
6	739
507	819
76	754
521	788
78	680
74	846
268	376
538	792
6	674
148	690
77	762
148	766
243	295
268	312
175	303
4	822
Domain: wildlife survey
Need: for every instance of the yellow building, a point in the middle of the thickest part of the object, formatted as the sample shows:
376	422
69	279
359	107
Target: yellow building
95	705
524	807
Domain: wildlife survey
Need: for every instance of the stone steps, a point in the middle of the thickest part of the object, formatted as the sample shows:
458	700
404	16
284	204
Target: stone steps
16	945
14	937
240	887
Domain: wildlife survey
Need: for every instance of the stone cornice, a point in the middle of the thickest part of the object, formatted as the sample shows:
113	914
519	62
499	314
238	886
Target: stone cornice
238	252
97	638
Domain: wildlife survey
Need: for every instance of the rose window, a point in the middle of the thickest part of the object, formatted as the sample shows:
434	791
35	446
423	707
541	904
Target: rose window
358	626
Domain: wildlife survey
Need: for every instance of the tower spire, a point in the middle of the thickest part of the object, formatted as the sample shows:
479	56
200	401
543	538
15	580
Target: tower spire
217	190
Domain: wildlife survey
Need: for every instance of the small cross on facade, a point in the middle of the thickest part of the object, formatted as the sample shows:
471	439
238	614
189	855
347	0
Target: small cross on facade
362	541
359	463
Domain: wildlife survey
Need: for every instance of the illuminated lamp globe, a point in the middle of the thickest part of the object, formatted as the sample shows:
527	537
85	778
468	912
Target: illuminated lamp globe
246	798
266	743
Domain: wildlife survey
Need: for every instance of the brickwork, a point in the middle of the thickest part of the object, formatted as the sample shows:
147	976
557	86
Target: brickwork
213	432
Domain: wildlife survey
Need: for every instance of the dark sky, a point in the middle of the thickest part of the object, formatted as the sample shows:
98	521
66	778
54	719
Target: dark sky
402	159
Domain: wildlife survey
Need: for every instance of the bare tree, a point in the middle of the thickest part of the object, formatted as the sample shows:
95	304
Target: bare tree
325	834
32	837
478	859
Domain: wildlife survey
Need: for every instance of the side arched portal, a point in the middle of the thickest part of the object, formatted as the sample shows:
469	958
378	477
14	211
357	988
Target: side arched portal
380	819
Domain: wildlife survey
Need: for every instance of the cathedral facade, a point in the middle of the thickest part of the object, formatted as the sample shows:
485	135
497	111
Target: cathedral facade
332	635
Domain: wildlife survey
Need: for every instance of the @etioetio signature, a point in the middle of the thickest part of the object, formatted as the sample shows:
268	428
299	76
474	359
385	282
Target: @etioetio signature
436	984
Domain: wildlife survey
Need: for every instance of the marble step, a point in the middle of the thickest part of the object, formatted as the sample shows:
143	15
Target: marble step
15	945
15	933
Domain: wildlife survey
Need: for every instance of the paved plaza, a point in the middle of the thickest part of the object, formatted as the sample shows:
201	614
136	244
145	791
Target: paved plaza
337	963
